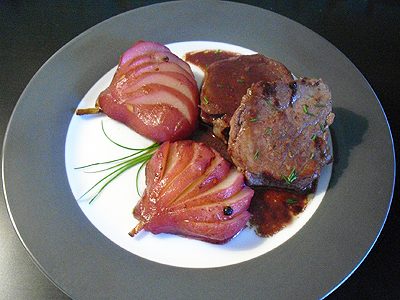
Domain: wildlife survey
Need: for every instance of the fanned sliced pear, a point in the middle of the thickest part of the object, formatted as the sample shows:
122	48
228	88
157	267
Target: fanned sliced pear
192	191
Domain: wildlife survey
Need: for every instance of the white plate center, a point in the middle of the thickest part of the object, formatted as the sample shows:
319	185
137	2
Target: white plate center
111	212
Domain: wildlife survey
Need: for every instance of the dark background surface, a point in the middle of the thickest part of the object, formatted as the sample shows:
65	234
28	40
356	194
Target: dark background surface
367	32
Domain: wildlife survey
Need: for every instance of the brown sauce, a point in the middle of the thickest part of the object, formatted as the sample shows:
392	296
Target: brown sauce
228	76
271	209
203	59
204	134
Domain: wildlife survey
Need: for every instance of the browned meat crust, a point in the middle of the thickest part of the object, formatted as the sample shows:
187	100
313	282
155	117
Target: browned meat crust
278	135
227	80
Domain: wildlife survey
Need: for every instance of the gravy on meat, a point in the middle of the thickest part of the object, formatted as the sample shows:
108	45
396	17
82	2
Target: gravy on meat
272	208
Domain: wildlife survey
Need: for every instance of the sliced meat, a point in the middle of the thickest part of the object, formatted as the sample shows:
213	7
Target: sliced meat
227	80
278	135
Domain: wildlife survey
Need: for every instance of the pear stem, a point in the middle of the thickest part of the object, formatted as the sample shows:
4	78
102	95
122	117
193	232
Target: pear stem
137	228
88	111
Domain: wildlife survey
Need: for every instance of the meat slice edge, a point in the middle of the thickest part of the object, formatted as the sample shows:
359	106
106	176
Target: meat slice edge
227	80
278	136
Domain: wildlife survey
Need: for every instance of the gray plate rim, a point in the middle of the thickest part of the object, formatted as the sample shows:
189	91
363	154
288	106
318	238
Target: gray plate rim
83	263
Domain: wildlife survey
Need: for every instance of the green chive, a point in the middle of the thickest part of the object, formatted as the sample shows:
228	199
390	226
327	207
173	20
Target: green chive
113	175
256	155
240	80
291	178
305	110
205	100
115	143
119	166
291	201
137	177
253	119
313	137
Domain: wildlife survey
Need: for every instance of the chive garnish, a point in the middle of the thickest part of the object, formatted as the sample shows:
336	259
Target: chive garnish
313	137
119	166
240	80
305	110
256	155
205	100
291	178
253	119
137	176
291	201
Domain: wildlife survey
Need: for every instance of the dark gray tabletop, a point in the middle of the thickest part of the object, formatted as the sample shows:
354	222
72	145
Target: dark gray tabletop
367	32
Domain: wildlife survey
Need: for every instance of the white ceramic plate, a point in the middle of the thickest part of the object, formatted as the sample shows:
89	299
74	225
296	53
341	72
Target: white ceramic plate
111	212
86	264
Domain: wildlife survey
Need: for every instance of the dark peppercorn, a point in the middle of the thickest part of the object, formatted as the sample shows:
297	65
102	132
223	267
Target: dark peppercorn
228	210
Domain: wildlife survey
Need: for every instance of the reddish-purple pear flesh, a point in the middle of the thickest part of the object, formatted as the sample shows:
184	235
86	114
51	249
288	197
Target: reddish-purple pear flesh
154	92
193	192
